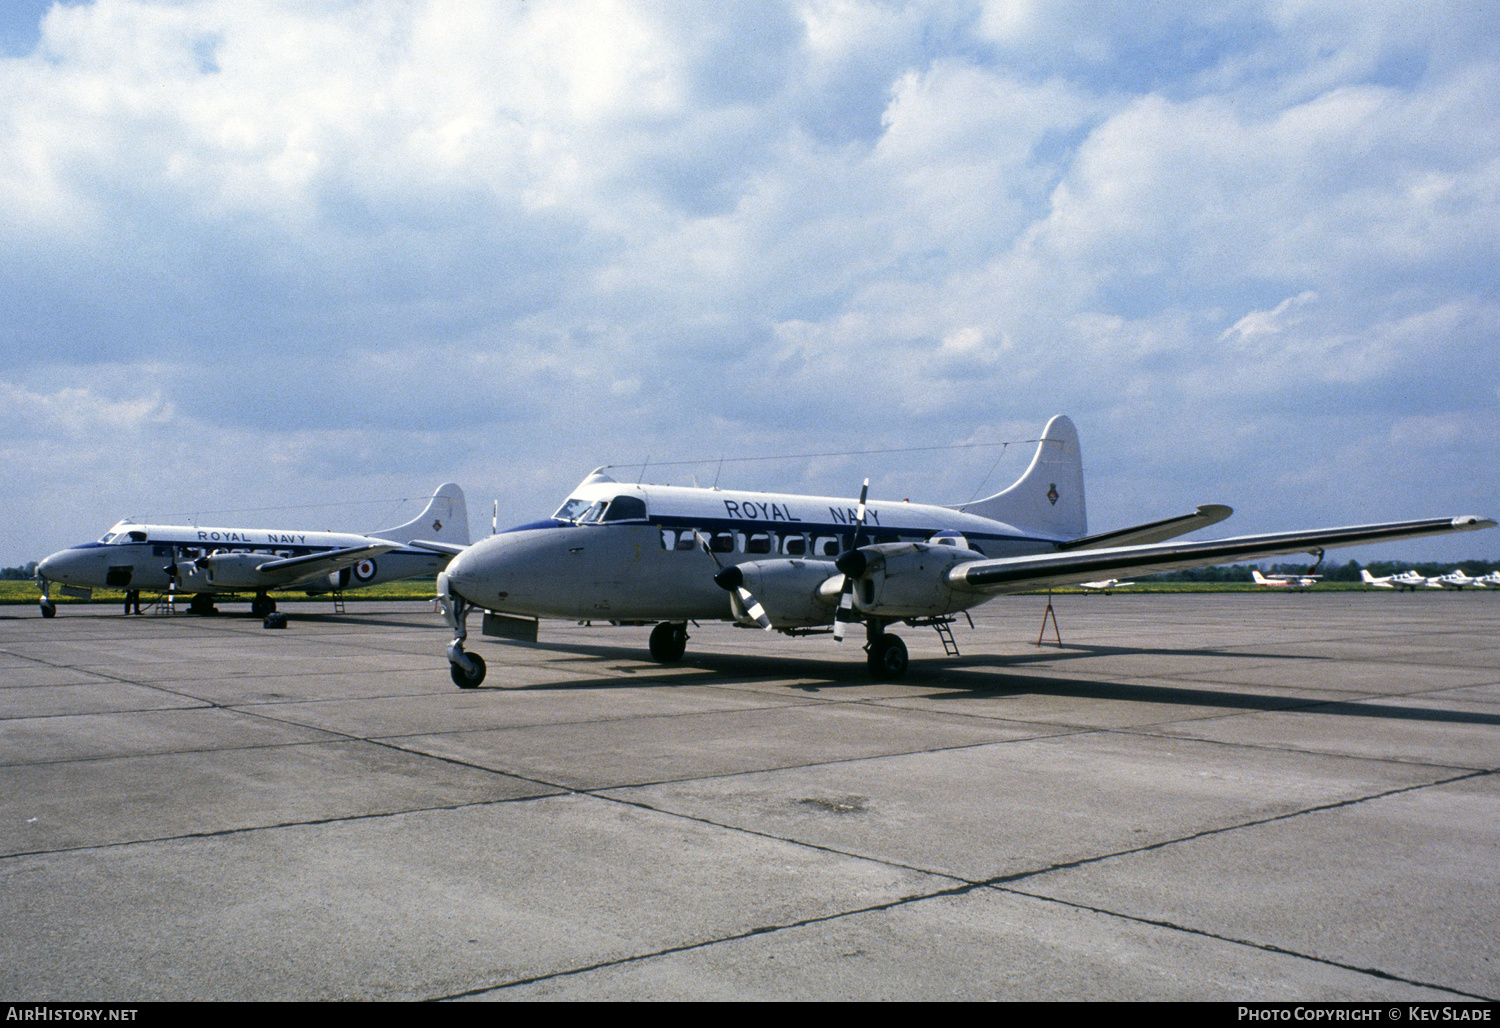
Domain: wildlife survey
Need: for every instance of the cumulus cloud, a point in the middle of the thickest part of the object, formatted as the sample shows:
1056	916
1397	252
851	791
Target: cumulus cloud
365	245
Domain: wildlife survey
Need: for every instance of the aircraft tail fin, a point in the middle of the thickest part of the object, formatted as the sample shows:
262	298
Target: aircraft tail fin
1048	499
446	520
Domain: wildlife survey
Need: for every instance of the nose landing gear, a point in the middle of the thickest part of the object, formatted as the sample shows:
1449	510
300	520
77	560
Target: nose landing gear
49	609
466	669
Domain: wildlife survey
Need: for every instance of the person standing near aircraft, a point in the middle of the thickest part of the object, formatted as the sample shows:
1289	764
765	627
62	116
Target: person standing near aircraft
208	561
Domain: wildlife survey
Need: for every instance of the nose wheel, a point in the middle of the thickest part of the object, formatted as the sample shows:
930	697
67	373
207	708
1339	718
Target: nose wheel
466	669
470	677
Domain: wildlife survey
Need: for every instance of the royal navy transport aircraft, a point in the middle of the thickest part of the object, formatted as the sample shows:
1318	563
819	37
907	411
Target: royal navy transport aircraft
204	561
665	555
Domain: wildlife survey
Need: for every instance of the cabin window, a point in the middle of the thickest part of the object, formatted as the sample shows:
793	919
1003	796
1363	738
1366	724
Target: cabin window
137	537
826	546
626	508
794	545
722	542
759	542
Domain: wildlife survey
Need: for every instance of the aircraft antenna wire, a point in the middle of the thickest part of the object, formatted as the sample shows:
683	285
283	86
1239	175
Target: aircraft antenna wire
840	453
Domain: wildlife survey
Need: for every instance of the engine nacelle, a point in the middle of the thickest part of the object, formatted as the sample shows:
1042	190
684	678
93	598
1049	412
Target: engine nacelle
790	591
234	570
907	580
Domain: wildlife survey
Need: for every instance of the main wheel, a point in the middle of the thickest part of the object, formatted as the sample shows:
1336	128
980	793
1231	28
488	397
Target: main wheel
668	642
888	658
465	680
49	610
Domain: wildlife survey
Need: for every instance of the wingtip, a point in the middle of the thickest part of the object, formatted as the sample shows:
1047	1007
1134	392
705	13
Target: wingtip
1470	522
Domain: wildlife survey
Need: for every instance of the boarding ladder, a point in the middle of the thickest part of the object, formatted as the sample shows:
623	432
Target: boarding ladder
944	629
338	601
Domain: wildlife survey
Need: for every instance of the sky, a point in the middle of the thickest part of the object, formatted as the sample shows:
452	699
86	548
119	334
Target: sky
294	264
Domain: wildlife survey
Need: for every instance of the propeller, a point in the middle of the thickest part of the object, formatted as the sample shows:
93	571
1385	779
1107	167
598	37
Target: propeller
851	564
732	579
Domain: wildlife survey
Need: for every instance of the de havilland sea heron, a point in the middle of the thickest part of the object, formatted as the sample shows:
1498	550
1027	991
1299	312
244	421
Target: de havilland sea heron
641	554
204	561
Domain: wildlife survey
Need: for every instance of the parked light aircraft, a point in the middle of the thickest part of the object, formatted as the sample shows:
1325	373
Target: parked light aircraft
1106	585
204	561
667	555
1455	580
1285	581
1409	580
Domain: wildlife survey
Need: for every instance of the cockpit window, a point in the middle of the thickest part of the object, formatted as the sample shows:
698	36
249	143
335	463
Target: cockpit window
570	509
626	508
108	537
594	512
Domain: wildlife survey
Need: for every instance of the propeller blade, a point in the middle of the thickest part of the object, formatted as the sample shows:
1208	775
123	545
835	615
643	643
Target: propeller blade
703	542
753	608
732	579
845	615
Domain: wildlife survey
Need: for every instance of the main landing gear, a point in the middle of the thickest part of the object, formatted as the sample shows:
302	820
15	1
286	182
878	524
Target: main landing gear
669	642
466	669
887	657
262	605
202	603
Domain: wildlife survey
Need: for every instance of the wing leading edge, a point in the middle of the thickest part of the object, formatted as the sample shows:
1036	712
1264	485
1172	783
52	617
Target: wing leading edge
314	564
1020	574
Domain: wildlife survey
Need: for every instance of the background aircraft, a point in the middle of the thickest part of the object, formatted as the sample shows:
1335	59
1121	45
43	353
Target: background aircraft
1285	581
205	561
1106	586
665	555
1408	580
1455	580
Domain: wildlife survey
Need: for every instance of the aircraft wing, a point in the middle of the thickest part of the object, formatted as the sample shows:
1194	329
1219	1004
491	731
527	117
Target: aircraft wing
1022	574
314	564
1154	531
451	549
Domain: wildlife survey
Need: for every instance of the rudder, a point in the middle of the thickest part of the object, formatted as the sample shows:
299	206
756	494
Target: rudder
1048	499
445	520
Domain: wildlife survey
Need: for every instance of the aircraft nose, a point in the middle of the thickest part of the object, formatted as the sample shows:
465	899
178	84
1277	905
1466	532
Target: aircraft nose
54	568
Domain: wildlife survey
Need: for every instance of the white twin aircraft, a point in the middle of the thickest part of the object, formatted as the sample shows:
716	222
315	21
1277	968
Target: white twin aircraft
204	561
1414	580
668	555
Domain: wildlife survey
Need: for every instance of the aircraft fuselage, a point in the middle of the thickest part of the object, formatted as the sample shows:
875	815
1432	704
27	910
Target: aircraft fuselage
652	566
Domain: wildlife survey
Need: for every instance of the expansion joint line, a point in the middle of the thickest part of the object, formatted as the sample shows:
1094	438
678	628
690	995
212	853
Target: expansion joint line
1266	947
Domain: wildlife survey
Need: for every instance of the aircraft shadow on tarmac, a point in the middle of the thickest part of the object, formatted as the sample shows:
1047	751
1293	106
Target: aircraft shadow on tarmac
971	678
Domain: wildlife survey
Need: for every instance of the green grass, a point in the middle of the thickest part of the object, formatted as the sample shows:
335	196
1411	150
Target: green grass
415	589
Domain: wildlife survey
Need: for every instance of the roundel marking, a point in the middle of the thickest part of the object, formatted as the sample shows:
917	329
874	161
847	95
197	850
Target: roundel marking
364	570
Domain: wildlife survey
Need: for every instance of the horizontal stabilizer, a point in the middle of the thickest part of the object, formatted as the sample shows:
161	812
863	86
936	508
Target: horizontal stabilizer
1155	531
451	549
1042	571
